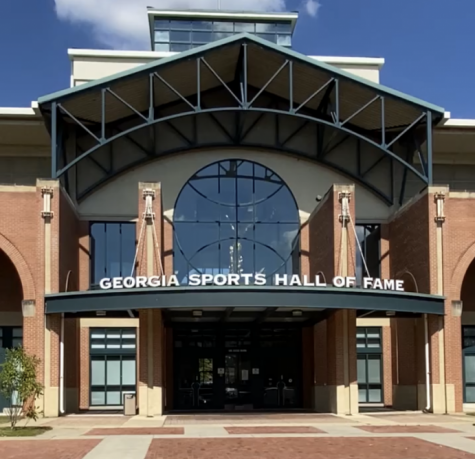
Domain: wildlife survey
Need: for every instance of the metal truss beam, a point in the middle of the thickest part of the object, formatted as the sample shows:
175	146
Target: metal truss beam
327	115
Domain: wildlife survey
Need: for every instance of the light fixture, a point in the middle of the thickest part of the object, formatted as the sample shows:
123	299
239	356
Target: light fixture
197	313
297	313
390	313
100	313
457	308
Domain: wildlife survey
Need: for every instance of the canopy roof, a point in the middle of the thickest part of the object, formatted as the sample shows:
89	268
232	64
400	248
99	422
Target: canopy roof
253	75
223	55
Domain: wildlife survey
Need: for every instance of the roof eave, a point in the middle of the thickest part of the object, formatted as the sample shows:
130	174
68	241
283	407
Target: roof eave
438	111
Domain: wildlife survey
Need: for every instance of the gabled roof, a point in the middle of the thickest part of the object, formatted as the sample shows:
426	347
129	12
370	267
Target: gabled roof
321	71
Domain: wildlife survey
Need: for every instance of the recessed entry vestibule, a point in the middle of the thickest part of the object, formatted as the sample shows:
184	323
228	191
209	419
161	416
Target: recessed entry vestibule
237	367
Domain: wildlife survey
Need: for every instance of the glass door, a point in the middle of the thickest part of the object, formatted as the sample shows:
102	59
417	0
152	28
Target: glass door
280	367
237	380
195	369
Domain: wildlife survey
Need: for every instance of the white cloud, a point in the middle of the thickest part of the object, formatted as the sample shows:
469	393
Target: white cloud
312	7
123	23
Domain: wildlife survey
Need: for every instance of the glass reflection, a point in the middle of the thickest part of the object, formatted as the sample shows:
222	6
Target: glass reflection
238	217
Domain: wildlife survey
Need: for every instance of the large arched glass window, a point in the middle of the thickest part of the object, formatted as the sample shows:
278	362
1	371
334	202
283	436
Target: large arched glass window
238	217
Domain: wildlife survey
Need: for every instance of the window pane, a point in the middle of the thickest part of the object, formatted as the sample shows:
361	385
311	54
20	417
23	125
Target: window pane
128	248
98	398
221	35
113	264
98	372
469	366
17	332
470	394
223	26
162	36
165	47
244	27
361	370
202	37
113	398
98	252
113	372
180	36
283	27
162	24
374	369
128	373
375	396
202	25
374	343
178	48
284	40
265	27
362	396
268	36
180	25
17	342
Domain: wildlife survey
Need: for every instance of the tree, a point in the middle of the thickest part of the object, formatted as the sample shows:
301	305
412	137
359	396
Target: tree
18	384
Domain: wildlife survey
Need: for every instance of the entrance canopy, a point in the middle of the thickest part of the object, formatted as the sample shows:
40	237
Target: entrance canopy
304	305
241	85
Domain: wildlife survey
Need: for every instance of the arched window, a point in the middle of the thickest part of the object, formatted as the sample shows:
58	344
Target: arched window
239	217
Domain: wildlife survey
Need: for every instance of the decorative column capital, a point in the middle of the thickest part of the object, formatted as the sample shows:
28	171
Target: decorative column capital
47	194
439	199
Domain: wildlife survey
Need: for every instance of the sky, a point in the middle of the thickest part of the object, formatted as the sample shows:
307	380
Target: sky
427	44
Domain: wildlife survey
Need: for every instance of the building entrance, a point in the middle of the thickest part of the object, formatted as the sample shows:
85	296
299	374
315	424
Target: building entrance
219	368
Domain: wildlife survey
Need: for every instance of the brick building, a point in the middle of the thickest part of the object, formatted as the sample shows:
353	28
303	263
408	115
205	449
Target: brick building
205	225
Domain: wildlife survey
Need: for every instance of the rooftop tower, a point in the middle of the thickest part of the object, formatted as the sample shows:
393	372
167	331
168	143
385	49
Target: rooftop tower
177	31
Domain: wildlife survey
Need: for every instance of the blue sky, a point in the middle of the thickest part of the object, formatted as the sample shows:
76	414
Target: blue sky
426	44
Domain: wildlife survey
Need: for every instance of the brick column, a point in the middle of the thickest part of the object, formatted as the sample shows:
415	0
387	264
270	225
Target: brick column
151	336
417	256
332	248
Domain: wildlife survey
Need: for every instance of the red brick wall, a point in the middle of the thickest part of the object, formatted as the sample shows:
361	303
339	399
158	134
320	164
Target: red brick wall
20	241
387	367
459	253
84	368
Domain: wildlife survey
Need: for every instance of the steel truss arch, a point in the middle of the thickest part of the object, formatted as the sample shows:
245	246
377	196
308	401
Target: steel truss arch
327	107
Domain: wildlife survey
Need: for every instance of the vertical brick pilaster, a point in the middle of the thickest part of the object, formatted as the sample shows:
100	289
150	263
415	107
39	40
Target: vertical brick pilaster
151	336
332	249
84	371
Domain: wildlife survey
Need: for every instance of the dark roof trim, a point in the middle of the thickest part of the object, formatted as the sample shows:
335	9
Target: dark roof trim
251	296
234	39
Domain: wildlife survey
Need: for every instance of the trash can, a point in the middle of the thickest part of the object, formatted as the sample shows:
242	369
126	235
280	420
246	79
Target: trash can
129	405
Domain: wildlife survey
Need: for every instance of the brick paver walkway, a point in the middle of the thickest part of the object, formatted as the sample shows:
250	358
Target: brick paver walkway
47	449
256	430
249	436
302	448
137	431
265	419
406	429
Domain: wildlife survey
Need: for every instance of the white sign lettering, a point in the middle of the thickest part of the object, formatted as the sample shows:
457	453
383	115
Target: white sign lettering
221	280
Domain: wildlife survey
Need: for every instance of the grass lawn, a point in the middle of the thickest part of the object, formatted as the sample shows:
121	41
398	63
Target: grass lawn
4	419
23	431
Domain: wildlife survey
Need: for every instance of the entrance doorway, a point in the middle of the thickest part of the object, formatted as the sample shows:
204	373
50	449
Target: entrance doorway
237	368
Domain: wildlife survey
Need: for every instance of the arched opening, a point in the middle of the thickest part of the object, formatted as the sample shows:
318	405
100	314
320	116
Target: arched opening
236	217
468	334
11	320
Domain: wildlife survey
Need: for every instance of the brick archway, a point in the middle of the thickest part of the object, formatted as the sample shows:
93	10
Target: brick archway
460	270
21	266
